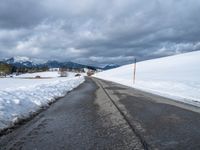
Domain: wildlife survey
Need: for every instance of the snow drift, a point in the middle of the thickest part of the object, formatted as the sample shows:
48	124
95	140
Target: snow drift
18	103
176	77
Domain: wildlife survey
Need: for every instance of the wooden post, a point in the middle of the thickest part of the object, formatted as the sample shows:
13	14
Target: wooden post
134	72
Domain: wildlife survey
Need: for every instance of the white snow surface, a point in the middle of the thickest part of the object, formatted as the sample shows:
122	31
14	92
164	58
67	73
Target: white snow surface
21	59
23	80
176	77
20	97
47	74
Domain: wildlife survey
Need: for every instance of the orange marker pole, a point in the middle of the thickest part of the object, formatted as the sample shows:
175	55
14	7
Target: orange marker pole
134	72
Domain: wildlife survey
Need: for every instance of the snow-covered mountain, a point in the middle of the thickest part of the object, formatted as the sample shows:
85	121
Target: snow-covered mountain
110	66
34	62
176	77
68	64
19	59
24	61
107	66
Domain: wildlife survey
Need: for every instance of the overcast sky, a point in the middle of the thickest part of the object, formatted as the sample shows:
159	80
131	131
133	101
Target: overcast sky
98	31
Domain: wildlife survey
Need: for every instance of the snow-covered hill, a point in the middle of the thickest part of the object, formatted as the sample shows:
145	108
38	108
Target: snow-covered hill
176	77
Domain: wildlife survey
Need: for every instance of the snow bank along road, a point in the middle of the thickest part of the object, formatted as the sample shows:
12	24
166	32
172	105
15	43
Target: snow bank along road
18	103
105	115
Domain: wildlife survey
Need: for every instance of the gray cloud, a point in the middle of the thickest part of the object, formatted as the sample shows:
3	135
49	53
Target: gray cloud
98	31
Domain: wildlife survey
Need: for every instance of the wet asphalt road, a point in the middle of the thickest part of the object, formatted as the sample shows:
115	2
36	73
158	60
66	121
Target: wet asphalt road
105	115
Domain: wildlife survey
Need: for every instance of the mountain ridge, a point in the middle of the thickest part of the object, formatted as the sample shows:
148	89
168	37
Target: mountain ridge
23	61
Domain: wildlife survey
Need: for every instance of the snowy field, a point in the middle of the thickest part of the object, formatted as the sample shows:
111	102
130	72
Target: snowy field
23	81
47	74
176	77
20	97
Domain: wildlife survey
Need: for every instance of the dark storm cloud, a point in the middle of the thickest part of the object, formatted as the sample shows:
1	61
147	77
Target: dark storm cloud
20	13
104	31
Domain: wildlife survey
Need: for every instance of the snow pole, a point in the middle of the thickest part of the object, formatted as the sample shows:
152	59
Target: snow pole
134	71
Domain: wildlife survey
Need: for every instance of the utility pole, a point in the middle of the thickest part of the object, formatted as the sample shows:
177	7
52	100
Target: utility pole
134	71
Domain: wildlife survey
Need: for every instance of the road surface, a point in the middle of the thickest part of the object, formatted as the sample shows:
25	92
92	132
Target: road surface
105	115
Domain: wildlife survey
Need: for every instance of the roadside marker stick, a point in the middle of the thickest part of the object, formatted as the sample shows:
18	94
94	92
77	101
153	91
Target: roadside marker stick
134	72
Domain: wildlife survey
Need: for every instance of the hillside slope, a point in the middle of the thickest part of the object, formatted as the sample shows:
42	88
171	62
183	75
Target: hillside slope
176	77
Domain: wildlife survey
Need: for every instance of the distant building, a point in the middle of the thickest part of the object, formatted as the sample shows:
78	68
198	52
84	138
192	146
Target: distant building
54	69
86	69
99	70
90	72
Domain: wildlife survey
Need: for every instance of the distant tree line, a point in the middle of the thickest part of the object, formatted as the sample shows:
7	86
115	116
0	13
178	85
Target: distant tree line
29	69
6	69
78	70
